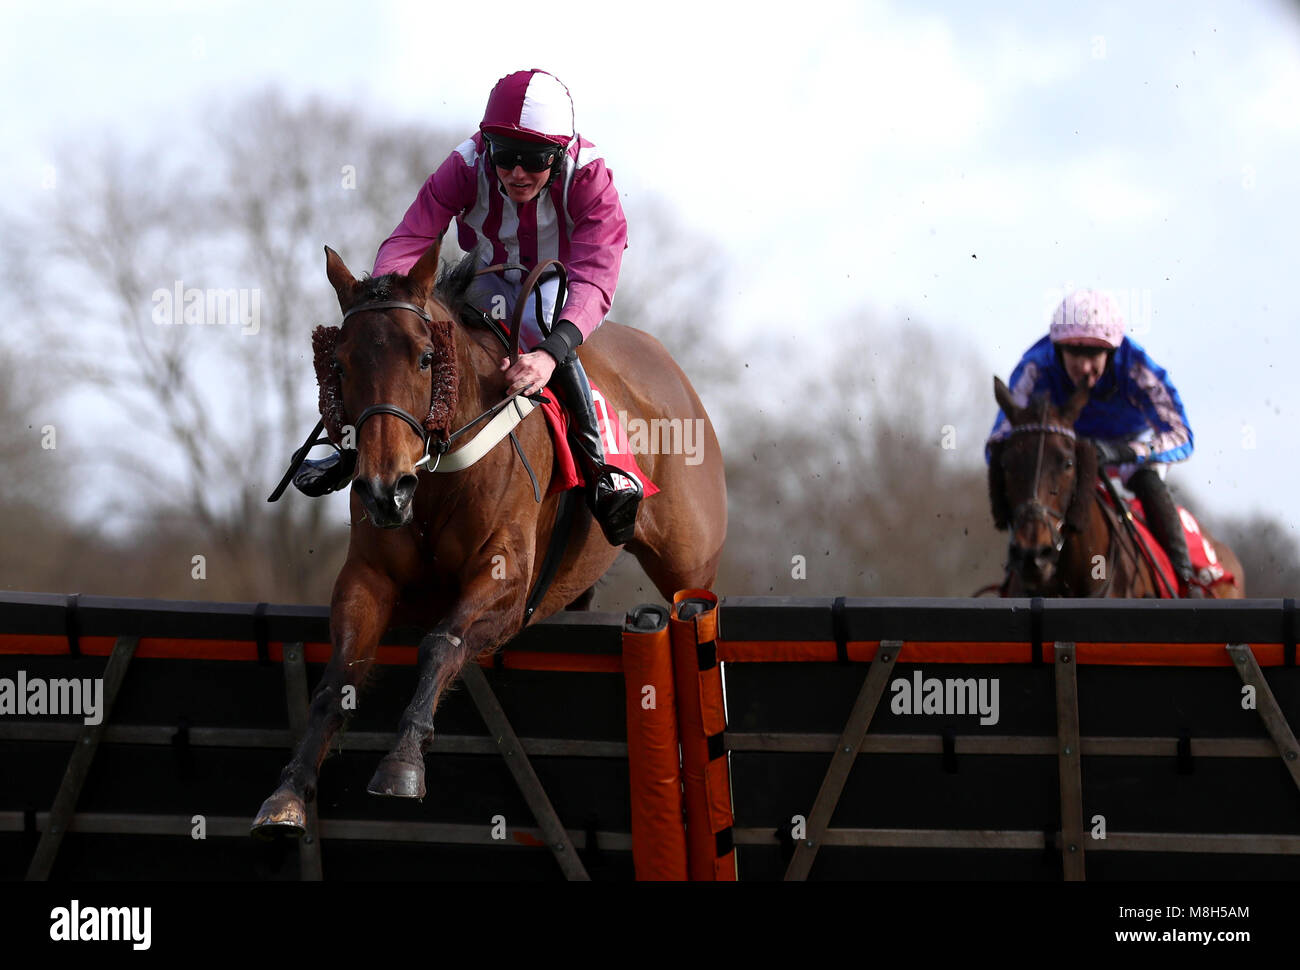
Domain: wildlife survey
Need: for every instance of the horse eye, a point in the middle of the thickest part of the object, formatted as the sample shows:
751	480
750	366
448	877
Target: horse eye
338	366
426	360
1069	463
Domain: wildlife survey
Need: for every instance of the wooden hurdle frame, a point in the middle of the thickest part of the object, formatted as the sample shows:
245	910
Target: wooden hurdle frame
884	633
41	625
679	747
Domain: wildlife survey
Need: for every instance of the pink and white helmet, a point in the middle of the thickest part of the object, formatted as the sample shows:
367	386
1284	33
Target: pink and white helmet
1088	317
530	106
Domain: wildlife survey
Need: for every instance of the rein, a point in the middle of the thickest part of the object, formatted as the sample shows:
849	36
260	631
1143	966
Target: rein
1124	515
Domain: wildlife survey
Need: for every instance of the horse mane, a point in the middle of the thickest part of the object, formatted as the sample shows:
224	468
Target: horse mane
376	288
454	282
450	290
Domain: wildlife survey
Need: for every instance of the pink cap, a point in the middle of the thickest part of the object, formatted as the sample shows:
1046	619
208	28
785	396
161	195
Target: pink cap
531	105
1088	317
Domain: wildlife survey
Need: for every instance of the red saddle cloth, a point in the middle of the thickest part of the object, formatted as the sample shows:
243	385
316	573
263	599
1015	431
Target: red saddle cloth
568	474
1204	561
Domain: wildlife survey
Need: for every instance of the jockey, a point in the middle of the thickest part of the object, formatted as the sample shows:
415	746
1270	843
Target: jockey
526	187
1134	416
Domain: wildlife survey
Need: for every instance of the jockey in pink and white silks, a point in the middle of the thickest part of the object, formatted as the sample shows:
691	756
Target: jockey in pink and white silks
525	188
1134	416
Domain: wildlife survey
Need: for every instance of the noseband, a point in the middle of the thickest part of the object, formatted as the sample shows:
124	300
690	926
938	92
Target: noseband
1034	508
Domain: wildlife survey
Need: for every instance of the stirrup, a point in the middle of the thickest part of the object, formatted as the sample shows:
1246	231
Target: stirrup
325	475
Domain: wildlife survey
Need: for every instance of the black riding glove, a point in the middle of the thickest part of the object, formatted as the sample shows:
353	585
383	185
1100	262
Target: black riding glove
562	340
1113	452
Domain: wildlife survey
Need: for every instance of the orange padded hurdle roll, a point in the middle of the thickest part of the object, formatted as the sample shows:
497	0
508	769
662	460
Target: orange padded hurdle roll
701	724
654	766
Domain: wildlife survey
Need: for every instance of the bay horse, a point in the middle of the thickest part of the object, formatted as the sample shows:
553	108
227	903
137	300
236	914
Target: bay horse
1065	539
457	553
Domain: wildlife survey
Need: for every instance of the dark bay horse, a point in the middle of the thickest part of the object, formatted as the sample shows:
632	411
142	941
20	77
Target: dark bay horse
457	553
1065	540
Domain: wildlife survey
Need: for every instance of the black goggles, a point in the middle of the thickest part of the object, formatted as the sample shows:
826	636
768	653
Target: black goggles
530	159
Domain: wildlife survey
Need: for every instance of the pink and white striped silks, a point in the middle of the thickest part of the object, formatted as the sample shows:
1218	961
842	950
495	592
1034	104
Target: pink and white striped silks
578	219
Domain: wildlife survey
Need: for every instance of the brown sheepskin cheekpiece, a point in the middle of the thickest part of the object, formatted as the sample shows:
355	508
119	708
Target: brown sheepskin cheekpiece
446	381
442	401
323	342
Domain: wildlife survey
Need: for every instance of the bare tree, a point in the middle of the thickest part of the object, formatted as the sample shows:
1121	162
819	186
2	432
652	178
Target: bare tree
670	286
199	414
871	481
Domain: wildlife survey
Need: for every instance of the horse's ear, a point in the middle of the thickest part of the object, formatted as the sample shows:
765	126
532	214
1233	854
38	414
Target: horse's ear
1075	405
340	278
1005	401
997	487
424	274
1085	483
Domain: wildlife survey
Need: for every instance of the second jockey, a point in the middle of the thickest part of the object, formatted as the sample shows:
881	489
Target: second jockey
527	187
1134	416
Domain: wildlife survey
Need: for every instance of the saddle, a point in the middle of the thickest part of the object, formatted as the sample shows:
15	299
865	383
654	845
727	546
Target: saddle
568	471
1204	561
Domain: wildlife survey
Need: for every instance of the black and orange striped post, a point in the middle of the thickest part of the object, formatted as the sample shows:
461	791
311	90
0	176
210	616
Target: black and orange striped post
701	725
654	765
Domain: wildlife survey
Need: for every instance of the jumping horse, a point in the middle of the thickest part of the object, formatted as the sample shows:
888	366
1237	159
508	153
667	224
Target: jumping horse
1043	485
457	553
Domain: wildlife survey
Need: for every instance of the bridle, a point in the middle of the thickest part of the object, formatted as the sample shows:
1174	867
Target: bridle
393	409
1056	520
433	449
1033	508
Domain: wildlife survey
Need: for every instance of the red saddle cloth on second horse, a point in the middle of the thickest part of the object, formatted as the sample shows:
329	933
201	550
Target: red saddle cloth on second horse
613	436
1204	561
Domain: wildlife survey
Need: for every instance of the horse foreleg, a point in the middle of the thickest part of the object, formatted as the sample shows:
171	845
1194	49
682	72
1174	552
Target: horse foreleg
486	616
359	613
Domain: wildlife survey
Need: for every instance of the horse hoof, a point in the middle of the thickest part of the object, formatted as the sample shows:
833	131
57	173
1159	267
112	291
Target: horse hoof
283	814
397	779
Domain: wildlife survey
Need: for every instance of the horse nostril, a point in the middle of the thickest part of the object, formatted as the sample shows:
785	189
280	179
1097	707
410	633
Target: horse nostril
363	488
404	490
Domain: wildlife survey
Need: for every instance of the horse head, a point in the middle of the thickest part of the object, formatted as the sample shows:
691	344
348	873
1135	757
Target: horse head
389	379
1041	480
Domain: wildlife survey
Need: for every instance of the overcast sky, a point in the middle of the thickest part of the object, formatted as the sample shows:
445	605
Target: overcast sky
951	162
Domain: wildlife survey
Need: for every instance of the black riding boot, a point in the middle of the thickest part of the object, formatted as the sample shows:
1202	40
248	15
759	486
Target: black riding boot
612	495
325	475
1164	523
